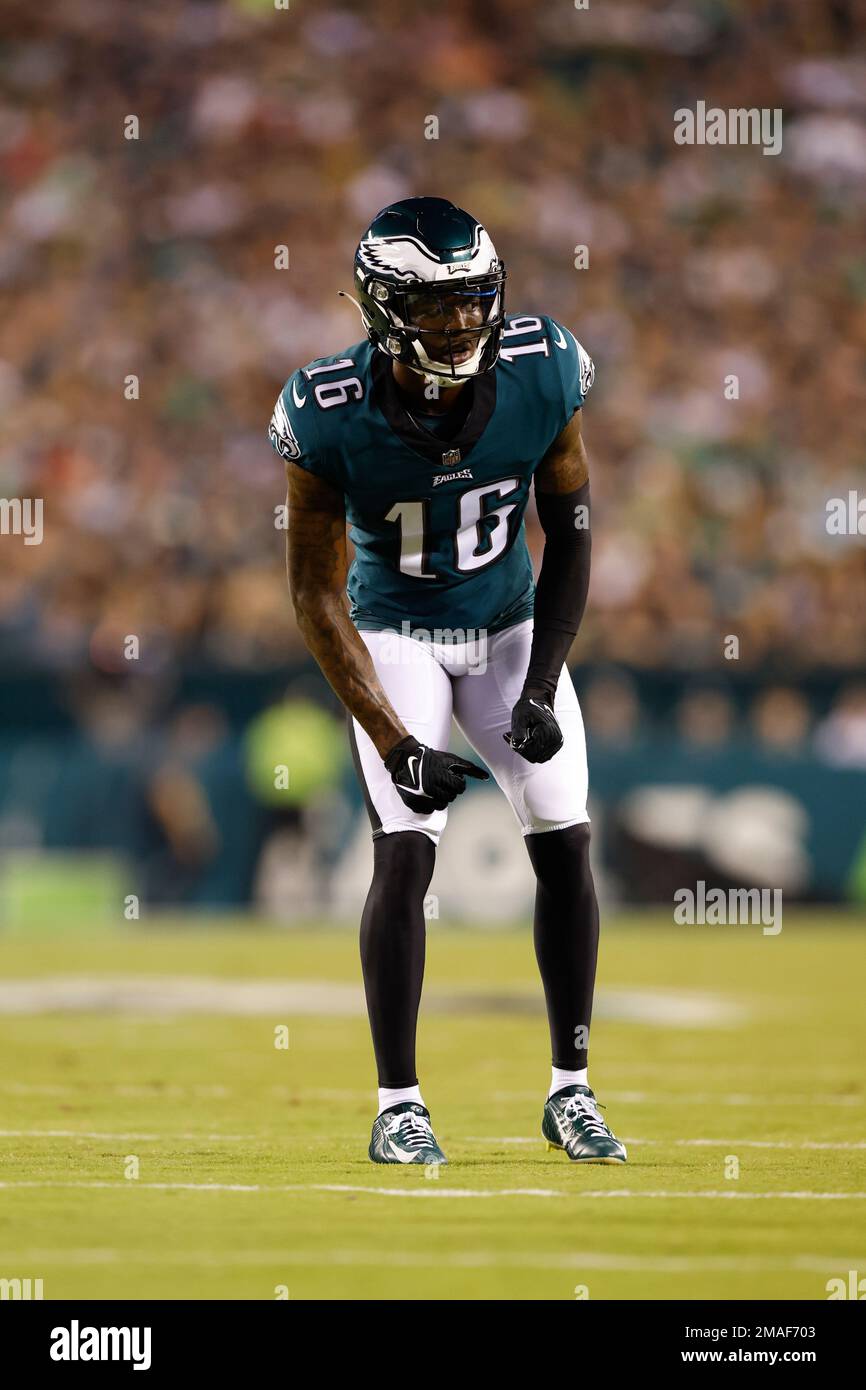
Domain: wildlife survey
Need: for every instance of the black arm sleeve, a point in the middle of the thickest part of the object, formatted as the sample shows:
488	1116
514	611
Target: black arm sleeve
563	583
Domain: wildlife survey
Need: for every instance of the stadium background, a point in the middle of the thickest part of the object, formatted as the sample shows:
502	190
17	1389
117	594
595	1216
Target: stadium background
188	1089
155	257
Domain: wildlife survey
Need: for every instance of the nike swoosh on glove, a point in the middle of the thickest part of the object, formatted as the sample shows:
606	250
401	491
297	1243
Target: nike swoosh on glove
427	779
535	734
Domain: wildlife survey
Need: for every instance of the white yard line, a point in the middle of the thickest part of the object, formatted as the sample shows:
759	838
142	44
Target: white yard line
24	1088
103	1134
470	1259
510	1139
698	1098
432	1189
514	1139
325	1093
839	1145
765	1143
596	1193
145	996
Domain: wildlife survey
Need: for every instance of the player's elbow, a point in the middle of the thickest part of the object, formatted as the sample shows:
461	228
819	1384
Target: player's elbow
304	604
313	607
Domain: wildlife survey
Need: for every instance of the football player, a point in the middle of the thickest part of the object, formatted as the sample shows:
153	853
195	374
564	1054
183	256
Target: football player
426	436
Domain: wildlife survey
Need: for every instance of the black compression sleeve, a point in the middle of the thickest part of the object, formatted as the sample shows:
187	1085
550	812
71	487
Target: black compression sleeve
563	583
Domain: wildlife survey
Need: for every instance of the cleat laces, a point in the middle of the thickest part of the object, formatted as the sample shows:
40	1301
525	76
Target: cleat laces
412	1131
581	1108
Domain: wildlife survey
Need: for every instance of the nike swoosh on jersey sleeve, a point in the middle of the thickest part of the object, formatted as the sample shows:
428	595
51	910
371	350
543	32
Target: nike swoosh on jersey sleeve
576	367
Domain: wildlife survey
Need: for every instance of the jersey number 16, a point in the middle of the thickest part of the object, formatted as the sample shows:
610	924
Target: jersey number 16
481	536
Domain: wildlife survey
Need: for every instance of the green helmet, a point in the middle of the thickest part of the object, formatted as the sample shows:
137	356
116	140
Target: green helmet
424	260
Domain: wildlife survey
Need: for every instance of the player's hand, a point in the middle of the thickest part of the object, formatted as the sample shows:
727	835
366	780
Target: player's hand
427	779
535	733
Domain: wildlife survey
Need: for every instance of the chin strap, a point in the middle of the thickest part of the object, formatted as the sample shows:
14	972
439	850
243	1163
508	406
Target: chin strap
430	377
445	378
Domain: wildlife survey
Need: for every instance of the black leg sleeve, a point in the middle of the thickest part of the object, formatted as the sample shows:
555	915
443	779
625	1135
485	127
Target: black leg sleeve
393	942
566	938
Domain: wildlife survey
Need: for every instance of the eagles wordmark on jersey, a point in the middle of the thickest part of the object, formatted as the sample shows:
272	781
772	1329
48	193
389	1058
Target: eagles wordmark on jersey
437	524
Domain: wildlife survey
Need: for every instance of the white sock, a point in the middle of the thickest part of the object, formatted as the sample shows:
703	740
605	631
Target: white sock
562	1078
396	1096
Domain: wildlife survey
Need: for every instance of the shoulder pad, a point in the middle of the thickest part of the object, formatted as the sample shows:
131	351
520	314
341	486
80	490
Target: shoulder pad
310	413
284	426
294	430
575	366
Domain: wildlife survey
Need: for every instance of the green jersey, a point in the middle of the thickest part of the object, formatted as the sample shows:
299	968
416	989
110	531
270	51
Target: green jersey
437	523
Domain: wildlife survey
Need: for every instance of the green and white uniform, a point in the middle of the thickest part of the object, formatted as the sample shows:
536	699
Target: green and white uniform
440	549
437	524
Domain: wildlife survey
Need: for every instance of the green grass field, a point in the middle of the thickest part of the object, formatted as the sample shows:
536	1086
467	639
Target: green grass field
712	1047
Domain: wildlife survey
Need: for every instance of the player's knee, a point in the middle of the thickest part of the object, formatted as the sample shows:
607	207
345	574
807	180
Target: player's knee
562	853
567	840
406	860
579	836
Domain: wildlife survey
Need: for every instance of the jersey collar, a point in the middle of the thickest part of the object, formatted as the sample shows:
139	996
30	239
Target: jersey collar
430	446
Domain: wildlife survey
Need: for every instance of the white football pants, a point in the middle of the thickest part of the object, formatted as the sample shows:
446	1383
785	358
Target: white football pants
477	683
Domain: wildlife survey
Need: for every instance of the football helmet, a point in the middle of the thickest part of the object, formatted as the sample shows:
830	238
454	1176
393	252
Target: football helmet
430	289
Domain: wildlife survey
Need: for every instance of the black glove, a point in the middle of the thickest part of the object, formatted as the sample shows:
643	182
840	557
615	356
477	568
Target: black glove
426	779
535	734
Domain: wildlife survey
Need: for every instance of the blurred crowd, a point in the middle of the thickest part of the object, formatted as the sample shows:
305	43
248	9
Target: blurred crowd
780	721
146	329
197	809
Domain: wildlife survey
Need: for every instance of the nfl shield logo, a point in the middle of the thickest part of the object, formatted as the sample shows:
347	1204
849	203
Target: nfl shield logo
450	458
